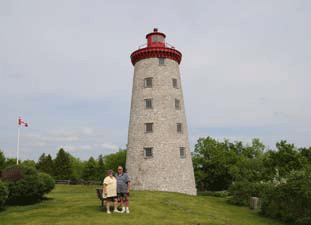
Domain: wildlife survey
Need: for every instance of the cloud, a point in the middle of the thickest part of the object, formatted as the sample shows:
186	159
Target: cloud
39	144
85	148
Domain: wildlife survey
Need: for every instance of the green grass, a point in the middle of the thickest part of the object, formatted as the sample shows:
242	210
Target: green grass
70	204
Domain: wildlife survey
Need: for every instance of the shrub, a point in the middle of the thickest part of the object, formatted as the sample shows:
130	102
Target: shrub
242	191
49	182
26	185
290	202
3	193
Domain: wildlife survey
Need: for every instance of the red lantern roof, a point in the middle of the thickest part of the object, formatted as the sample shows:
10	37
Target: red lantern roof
156	48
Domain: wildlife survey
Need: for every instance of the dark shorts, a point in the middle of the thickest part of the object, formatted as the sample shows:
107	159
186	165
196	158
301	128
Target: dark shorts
123	195
111	198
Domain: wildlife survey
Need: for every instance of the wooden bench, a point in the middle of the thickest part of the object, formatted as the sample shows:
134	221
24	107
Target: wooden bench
99	192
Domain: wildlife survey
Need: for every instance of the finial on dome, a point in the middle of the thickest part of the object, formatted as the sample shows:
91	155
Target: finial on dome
155	30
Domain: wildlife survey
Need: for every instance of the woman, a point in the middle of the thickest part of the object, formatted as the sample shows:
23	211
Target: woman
110	191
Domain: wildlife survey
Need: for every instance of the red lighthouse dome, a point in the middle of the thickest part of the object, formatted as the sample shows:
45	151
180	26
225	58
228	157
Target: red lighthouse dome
156	48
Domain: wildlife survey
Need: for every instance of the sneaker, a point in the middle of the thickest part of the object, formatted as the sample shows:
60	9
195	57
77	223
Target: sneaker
116	211
127	210
108	212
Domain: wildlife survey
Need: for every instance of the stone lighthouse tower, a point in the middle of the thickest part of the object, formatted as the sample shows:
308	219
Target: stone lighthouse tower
158	155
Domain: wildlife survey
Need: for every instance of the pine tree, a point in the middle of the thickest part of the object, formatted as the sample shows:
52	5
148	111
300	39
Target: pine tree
101	172
63	169
90	170
2	161
45	164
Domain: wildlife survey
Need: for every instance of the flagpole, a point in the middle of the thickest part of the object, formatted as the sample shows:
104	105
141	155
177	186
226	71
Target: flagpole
18	134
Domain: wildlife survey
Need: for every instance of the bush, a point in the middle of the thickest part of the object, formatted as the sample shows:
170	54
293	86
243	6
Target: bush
26	184
290	202
49	182
242	191
3	193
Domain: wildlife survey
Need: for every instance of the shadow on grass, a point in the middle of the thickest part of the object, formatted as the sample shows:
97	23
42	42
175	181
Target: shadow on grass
24	201
98	208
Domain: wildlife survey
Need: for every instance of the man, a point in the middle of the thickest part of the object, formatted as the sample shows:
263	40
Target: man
110	191
123	187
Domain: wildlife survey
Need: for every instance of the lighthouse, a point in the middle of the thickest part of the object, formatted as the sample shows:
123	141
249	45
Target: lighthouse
158	156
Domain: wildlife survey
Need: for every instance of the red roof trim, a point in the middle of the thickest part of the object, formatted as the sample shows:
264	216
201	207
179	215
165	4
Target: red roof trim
146	53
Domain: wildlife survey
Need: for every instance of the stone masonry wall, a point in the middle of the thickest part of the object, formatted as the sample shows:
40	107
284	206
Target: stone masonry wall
166	170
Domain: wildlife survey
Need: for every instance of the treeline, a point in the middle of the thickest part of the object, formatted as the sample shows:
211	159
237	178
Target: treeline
218	164
280	180
67	167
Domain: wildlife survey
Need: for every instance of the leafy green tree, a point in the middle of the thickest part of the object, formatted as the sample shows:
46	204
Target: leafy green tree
217	164
90	170
306	153
211	162
11	162
77	168
285	159
45	164
63	170
29	163
101	172
2	161
114	160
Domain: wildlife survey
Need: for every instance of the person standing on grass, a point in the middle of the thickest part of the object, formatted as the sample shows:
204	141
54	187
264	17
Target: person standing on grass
123	187
110	191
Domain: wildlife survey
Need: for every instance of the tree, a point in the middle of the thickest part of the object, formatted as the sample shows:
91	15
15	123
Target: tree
211	162
45	164
285	159
217	164
29	163
2	161
114	160
306	152
77	168
101	172
90	170
63	170
11	162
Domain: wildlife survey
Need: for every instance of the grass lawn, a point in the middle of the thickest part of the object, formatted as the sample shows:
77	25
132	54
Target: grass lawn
75	204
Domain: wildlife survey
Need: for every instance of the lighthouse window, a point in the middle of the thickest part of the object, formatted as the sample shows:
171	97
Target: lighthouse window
182	152
161	61
157	38
148	127
147	152
148	82
179	127
174	83
177	103
148	103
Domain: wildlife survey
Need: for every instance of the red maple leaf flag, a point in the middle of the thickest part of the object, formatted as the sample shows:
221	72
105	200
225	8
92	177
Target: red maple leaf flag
22	122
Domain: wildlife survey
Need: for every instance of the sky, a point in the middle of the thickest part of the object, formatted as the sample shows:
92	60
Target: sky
65	68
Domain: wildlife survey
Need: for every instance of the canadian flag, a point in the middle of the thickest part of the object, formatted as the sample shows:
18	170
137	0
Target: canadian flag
22	122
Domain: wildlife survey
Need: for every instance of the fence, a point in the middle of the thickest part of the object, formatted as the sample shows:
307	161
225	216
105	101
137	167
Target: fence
84	182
